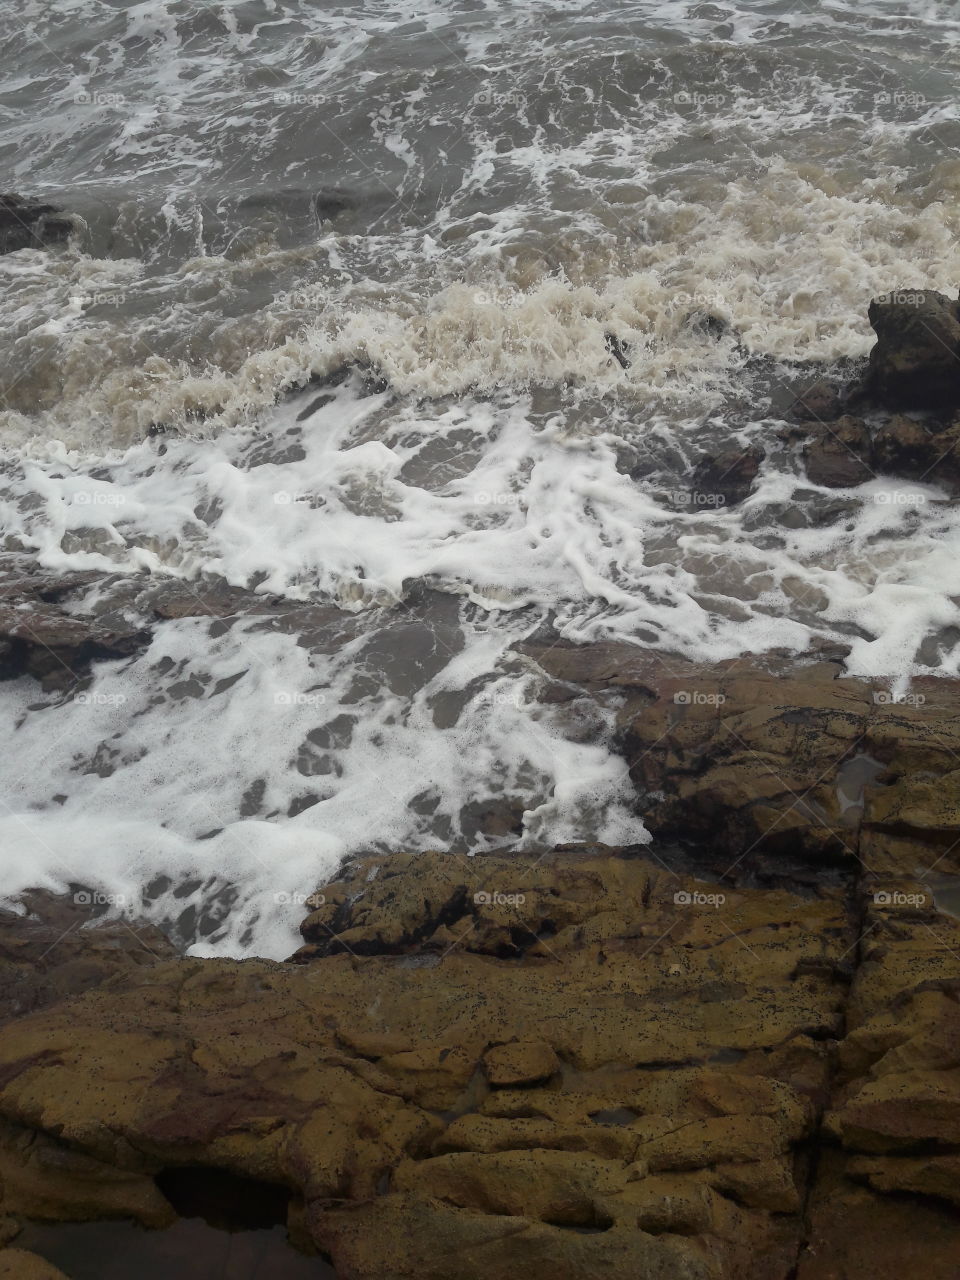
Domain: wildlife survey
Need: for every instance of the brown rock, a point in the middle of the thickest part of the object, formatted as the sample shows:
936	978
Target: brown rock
601	1062
749	759
924	451
42	636
611	1143
49	955
855	1232
520	1062
840	454
726	479
820	402
19	1264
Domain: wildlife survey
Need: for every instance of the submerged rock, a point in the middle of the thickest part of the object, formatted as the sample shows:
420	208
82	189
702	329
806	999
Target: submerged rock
820	402
727	478
840	455
28	224
41	637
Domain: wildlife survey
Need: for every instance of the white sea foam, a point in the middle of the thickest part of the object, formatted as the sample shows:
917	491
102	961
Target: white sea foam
500	192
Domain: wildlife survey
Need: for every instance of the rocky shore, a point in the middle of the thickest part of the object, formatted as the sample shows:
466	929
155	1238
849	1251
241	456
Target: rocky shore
734	1052
735	1056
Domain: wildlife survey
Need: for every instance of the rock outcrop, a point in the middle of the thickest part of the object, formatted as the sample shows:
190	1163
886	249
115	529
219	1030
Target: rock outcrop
915	367
733	1053
41	636
768	761
29	224
847	452
916	361
56	951
566	1062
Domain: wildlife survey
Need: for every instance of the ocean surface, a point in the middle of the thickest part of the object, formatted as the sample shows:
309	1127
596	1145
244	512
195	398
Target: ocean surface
566	249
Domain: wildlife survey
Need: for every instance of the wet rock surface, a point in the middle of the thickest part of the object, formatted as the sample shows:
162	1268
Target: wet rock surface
726	479
41	636
821	401
56	950
21	1264
626	1092
759	759
29	224
916	360
638	1090
738	1057
900	418
847	452
840	455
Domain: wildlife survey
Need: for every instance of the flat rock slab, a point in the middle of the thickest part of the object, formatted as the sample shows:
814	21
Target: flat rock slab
759	758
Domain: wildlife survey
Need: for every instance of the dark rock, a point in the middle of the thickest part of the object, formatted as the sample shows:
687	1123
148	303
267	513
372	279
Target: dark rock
618	349
919	451
807	509
58	648
28	224
840	455
916	360
727	478
820	402
327	204
57	950
21	1264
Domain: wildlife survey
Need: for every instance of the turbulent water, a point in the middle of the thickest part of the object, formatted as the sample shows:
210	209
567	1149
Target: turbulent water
483	207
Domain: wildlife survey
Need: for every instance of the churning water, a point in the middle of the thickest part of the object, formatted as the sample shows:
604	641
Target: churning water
567	249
